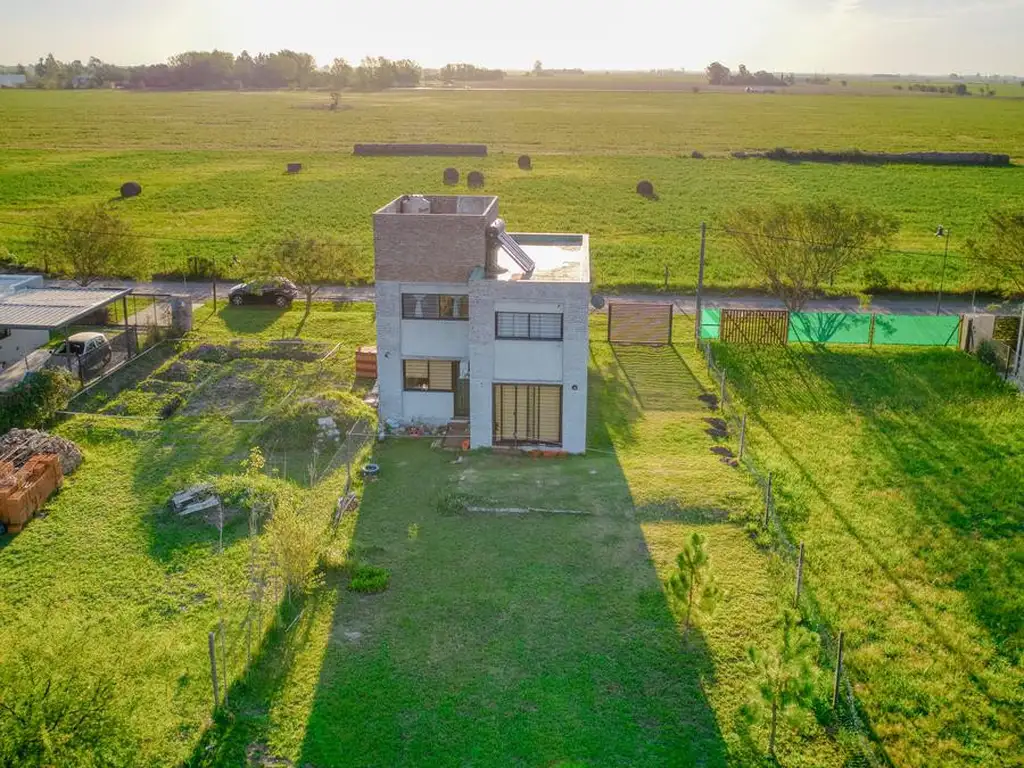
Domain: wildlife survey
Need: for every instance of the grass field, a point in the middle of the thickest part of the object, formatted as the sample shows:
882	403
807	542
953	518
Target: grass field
541	639
212	164
901	471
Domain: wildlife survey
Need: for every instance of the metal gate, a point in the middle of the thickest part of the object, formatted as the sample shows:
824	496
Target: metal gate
755	326
639	323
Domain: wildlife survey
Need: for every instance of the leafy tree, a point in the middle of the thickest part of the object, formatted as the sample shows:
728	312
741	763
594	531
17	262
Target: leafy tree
795	248
341	73
999	255
538	68
309	262
693	580
786	678
718	73
85	244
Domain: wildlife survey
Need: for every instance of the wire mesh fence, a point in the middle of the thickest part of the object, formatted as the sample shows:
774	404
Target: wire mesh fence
848	712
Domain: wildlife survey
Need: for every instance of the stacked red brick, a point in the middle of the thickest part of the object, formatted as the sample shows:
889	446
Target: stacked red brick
26	490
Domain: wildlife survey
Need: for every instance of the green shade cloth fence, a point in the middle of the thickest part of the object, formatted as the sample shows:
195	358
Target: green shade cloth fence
853	328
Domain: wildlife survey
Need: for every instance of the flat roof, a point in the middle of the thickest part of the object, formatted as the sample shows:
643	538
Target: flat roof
441	205
559	258
44	309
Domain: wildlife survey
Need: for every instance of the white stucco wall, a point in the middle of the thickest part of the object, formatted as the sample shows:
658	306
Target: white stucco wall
448	339
14	347
491	362
517	360
428	407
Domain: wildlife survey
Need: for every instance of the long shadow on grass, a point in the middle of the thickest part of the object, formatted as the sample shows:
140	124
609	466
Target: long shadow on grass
509	639
246	321
919	441
962	474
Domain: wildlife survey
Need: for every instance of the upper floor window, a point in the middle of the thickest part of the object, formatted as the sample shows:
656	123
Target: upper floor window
434	306
541	326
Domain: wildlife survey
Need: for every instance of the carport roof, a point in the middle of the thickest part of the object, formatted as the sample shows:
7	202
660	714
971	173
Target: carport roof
44	309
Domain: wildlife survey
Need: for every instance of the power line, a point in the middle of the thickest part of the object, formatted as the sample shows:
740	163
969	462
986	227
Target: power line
148	236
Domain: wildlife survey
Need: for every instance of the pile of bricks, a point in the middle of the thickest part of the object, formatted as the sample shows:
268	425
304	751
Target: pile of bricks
26	490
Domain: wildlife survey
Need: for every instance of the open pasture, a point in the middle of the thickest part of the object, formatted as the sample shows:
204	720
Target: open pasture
212	169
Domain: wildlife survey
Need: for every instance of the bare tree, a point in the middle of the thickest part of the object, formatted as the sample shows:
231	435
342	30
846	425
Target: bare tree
795	249
999	255
86	244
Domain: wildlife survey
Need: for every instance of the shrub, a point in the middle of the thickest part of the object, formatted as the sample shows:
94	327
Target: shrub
297	540
875	280
369	579
35	401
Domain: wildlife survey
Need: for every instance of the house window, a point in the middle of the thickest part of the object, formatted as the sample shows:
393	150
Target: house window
527	414
434	306
541	326
430	375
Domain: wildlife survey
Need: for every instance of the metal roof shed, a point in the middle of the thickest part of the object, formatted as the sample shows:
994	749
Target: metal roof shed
50	309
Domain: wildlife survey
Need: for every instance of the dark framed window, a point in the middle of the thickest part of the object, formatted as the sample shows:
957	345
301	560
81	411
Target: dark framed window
538	326
528	414
430	375
435	306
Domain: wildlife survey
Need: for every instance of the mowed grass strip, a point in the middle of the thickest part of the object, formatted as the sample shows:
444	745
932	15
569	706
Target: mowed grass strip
901	471
212	167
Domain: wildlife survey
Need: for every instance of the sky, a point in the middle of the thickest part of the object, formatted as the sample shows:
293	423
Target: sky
834	36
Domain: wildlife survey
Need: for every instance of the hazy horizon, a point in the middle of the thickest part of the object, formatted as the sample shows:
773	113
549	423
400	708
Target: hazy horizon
933	37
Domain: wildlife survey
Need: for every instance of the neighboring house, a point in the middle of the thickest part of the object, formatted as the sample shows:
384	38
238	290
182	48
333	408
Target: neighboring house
12	81
16	344
481	326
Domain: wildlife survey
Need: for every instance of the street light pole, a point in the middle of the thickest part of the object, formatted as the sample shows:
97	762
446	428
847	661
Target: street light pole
942	232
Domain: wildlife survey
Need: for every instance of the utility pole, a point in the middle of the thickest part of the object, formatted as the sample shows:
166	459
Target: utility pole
942	232
700	282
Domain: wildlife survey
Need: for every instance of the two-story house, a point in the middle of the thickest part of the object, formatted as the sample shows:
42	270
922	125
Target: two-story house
481	325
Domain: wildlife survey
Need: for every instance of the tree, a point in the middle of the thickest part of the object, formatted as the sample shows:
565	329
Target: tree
538	68
693	580
309	262
88	243
999	255
794	249
341	73
786	677
718	73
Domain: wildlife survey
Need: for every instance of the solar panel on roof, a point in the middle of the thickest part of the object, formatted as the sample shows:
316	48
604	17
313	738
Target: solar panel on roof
519	256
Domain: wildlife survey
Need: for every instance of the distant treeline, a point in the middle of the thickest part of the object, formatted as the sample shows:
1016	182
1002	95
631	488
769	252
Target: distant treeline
460	73
719	74
220	70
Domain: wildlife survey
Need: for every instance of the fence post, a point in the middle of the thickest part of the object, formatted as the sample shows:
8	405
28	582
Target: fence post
666	277
213	669
871	331
839	672
723	391
743	435
224	654
768	500
799	576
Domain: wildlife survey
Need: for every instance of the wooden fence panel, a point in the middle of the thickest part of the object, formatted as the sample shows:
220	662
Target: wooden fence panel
755	326
639	323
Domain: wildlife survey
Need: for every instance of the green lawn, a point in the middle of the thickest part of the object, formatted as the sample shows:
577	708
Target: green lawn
901	471
212	167
112	581
537	639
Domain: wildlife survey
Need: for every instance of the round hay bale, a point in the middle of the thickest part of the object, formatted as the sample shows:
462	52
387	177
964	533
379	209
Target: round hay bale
475	179
451	176
131	189
697	155
645	189
525	163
